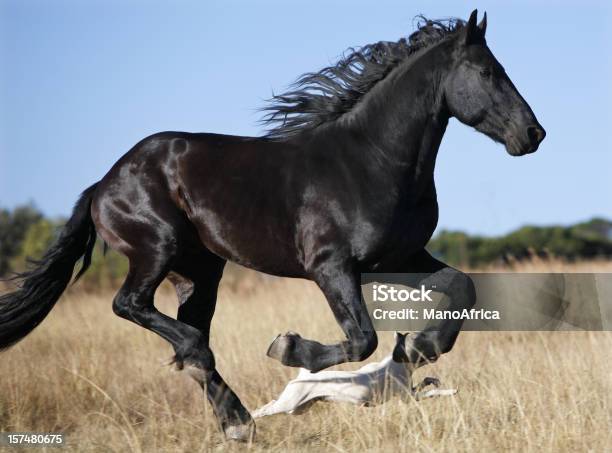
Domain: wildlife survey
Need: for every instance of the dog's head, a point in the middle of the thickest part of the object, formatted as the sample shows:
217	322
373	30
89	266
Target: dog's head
403	346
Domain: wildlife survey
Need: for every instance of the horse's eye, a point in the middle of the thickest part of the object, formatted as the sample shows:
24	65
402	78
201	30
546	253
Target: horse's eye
485	73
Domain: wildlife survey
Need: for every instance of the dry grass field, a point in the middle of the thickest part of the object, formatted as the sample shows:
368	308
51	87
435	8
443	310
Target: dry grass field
103	382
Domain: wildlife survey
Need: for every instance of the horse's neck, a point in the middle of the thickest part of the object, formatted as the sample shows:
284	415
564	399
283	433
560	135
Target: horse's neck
403	118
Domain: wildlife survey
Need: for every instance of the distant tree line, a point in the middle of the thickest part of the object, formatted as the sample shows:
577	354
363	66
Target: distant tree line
25	233
587	240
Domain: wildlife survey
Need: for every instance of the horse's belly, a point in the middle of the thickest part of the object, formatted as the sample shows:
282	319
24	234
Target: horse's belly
248	241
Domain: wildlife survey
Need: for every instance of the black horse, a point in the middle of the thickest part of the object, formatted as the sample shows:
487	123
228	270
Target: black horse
342	184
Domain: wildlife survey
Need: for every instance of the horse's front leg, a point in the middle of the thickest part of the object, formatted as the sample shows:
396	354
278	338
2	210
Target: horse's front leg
439	337
341	286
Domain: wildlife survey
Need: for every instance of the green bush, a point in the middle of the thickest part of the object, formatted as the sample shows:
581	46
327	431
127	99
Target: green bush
586	240
25	235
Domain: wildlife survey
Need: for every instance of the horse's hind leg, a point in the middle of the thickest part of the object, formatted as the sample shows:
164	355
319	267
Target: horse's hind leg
135	303
196	280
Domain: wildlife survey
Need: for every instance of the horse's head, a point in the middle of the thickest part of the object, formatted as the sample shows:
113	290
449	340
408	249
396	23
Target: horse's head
479	93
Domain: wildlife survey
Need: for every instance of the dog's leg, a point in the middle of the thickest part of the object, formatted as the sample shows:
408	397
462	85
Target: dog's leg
288	401
433	393
266	409
425	382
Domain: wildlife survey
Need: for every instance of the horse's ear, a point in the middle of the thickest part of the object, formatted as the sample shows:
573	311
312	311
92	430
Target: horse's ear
482	26
473	33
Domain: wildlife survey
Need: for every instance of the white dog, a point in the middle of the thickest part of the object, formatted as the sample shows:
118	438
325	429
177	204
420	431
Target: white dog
370	384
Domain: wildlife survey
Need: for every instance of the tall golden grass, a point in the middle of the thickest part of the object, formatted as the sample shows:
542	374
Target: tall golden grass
103	382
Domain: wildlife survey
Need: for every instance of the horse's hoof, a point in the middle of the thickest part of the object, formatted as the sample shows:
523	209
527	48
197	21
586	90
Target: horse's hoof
281	347
240	433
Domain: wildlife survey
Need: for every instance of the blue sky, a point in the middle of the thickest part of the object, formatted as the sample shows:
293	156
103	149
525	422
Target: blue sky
82	81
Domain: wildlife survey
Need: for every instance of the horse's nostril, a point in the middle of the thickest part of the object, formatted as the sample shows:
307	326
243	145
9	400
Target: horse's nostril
536	134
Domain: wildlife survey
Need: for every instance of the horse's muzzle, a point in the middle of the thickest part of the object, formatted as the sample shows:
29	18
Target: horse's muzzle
528	142
536	134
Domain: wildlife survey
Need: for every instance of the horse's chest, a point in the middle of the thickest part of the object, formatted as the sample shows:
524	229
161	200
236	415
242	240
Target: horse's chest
407	231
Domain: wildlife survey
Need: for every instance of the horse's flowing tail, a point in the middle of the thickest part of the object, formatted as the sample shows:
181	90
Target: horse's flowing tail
41	286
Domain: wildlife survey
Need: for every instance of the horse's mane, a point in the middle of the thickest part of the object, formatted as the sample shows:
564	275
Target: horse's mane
320	97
